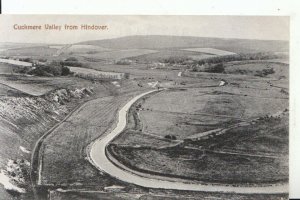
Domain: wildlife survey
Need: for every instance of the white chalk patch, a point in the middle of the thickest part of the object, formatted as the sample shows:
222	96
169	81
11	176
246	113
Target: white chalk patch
153	84
113	187
116	83
5	181
61	190
222	83
24	149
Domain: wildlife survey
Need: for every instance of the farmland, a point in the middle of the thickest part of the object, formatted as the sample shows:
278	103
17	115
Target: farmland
115	54
30	51
195	111
211	51
167	53
207	109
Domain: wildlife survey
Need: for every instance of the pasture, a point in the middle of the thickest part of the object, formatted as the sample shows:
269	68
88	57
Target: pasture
211	51
237	156
118	54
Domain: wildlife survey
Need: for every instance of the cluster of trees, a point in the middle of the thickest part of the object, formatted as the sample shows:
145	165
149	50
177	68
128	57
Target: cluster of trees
72	61
264	72
240	57
50	70
215	64
212	68
53	69
177	60
227	58
26	60
124	62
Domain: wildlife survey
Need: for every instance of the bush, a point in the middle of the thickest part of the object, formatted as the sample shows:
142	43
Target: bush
176	60
264	72
170	137
21	69
212	68
65	71
42	60
50	70
124	62
218	68
72	59
25	59
71	63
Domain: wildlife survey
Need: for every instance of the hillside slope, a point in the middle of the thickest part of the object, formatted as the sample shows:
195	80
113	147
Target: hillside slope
162	42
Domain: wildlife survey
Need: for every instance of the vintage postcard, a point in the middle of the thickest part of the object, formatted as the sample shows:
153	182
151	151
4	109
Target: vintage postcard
144	107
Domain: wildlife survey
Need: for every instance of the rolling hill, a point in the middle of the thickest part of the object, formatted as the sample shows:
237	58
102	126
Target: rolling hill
180	42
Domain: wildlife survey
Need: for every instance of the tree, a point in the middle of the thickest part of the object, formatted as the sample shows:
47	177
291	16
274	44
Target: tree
65	71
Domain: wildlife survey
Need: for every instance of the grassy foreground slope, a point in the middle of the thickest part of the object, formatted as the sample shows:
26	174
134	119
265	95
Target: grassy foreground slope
25	118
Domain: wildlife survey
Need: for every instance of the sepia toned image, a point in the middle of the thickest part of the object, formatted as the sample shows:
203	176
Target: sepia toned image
143	107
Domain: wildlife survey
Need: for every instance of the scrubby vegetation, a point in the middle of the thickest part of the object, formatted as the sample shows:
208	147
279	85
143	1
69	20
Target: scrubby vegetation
50	70
212	68
53	69
240	57
171	137
124	62
72	61
264	72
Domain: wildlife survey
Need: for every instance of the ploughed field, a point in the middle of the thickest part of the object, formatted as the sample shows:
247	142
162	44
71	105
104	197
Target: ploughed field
232	134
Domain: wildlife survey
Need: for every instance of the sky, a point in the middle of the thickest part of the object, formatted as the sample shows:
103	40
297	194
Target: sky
244	27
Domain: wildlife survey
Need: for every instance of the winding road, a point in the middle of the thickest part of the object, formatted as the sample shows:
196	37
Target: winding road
98	158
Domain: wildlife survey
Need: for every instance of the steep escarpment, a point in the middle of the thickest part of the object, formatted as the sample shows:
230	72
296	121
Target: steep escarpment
23	119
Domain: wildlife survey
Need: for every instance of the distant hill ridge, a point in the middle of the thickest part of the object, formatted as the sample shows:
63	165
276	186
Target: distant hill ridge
178	42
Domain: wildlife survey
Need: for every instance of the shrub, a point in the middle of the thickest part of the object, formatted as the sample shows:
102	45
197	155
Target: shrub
218	68
42	60
25	59
71	63
264	72
50	70
65	71
124	62
212	68
170	137
176	60
72	59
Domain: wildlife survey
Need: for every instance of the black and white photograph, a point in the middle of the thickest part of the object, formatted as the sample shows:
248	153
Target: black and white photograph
144	107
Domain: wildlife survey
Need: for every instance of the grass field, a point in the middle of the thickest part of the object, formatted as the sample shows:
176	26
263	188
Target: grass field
252	154
209	167
250	68
5	68
118	54
268	136
161	55
30	51
211	51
